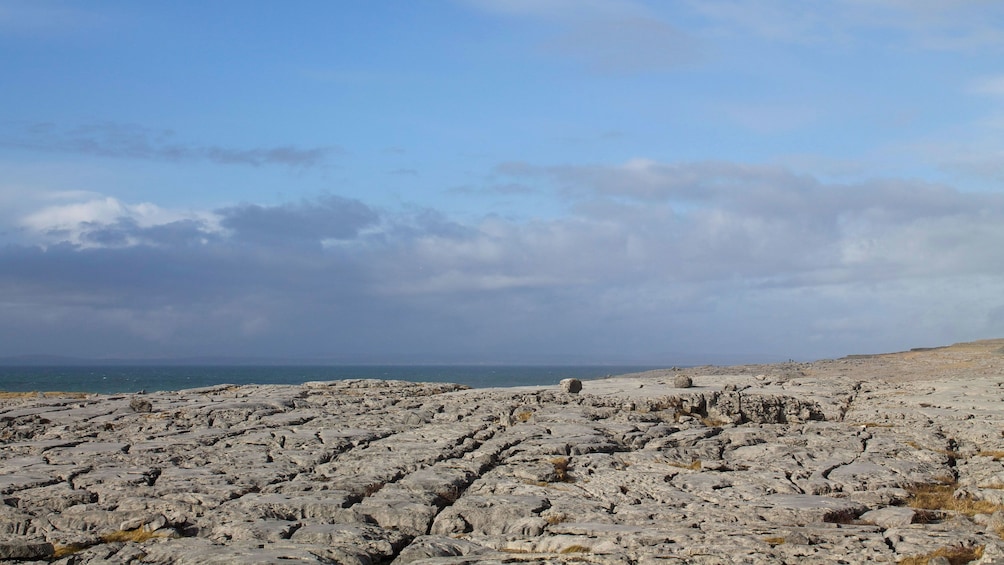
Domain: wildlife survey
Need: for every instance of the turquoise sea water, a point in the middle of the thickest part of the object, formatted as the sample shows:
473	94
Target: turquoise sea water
119	379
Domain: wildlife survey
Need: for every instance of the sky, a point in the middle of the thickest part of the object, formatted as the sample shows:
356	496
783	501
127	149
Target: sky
500	181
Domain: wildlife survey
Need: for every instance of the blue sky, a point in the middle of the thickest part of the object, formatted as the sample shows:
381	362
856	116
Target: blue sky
515	181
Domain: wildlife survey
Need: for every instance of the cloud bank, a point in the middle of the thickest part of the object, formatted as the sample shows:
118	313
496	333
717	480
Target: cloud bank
652	262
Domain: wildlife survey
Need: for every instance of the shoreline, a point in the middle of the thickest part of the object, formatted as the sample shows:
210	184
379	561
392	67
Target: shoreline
125	380
789	462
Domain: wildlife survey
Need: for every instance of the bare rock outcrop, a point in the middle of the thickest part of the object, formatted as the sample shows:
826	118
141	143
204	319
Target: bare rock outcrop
857	460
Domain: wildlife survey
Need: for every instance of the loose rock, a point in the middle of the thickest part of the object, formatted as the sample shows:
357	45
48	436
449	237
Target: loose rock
571	385
683	381
140	405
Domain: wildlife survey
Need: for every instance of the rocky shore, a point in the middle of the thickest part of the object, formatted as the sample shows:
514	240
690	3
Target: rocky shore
867	459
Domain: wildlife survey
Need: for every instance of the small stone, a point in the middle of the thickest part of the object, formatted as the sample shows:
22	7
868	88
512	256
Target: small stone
140	405
571	385
683	381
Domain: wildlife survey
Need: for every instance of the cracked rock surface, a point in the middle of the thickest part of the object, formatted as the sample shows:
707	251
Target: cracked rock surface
787	463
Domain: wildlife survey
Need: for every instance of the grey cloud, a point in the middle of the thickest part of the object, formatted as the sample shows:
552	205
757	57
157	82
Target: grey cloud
722	219
752	189
330	217
126	232
132	141
287	155
653	181
757	260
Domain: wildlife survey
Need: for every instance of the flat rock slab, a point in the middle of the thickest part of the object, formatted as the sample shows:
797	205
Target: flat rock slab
793	462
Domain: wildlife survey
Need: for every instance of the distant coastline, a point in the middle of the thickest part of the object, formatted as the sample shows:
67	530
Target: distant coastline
129	378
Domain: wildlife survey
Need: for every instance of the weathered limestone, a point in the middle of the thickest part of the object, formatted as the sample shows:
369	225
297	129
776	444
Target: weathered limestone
571	385
795	463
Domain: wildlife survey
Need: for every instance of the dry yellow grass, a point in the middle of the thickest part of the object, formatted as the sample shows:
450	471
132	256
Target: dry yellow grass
996	454
556	518
61	551
774	540
561	470
61	394
956	556
576	549
138	535
694	465
9	395
941	496
524	416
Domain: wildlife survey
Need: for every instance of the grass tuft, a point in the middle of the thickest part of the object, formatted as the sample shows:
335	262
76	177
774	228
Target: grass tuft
556	518
561	470
941	497
774	540
694	465
957	555
576	549
61	551
139	535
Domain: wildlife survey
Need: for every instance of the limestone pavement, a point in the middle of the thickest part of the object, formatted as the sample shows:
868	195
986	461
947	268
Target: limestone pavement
869	459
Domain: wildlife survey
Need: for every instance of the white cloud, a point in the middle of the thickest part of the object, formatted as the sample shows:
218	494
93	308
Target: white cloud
70	222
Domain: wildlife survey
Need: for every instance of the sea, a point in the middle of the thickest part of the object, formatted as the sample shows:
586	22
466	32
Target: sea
131	379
